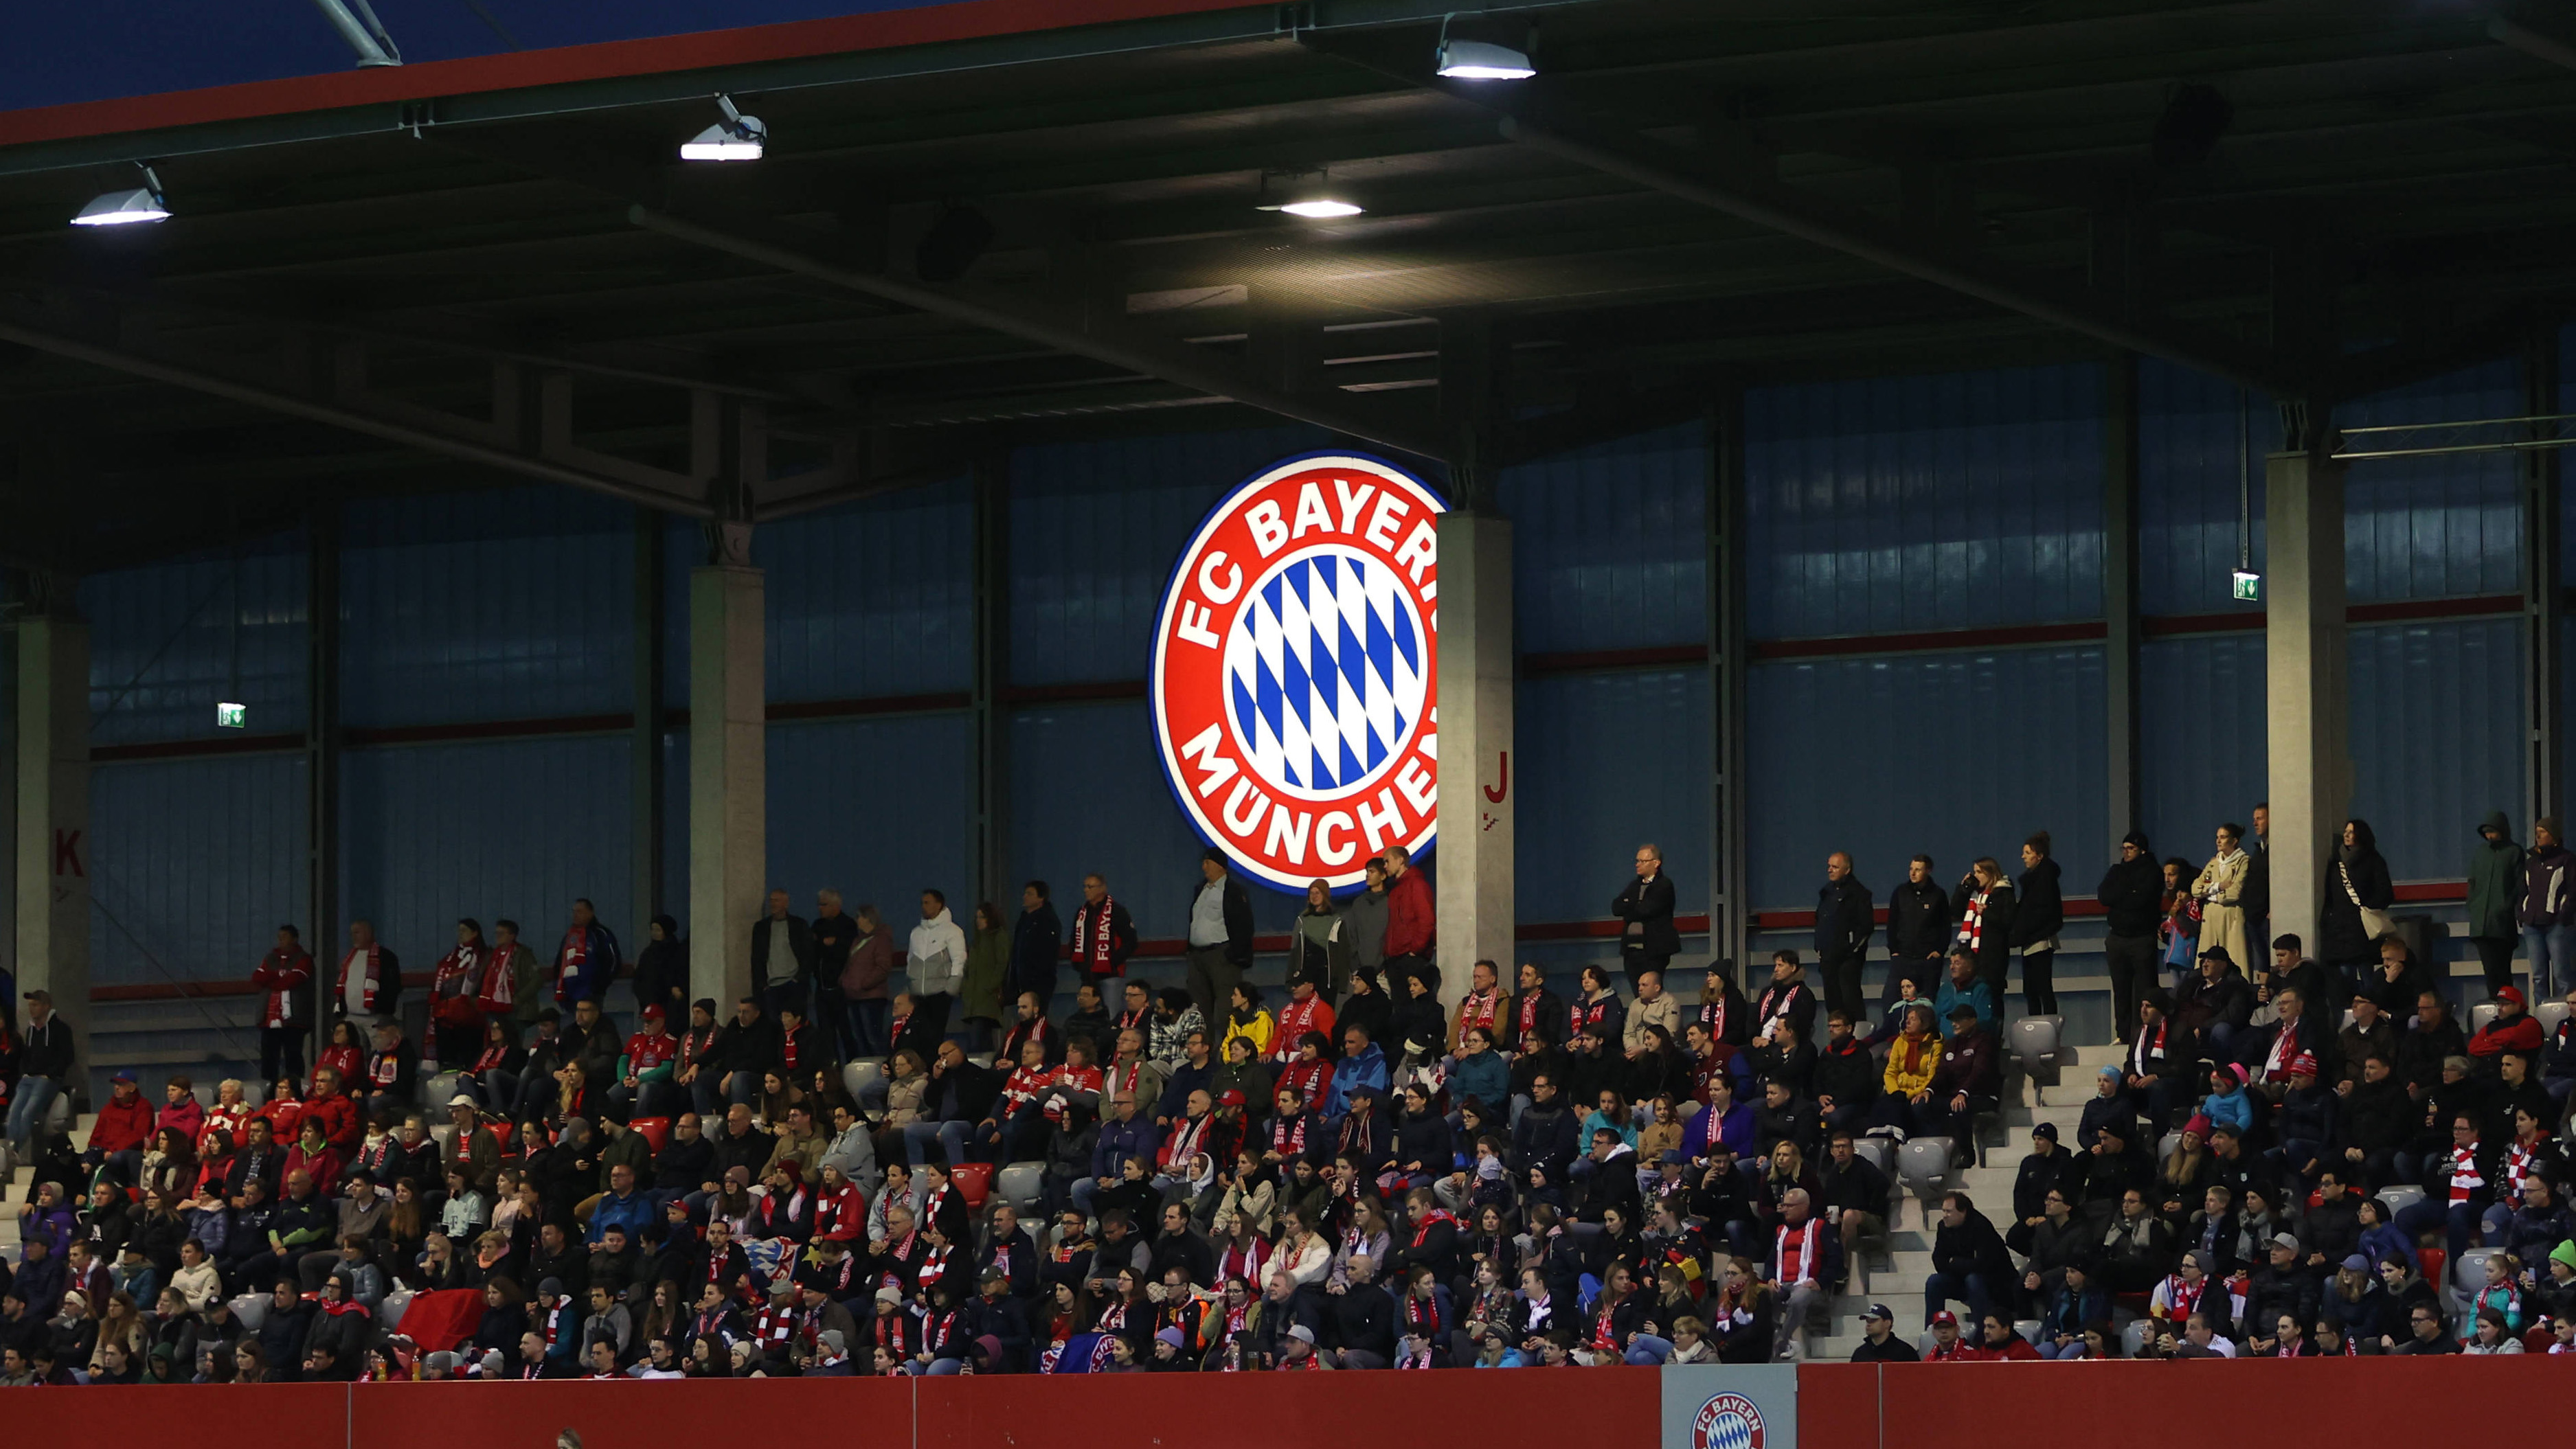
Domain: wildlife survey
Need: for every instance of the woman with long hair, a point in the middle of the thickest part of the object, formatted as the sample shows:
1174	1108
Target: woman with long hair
2354	912
2178	931
2219	892
1741	1314
1984	905
1599	1006
1310	953
491	1076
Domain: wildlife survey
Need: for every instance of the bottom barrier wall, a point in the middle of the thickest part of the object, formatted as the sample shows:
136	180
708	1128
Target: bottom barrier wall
1825	1406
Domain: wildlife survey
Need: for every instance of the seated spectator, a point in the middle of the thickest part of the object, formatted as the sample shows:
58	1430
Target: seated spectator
1969	1262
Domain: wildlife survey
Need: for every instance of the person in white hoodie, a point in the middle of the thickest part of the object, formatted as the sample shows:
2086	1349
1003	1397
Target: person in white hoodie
938	956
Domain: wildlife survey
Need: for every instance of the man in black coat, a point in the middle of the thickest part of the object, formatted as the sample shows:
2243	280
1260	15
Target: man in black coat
1362	1319
1037	939
2132	896
1919	926
2039	914
1844	925
747	1046
780	963
1220	936
1968	1260
1644	909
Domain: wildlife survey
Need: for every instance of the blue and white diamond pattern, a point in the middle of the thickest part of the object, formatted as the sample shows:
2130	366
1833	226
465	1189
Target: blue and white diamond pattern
1325	672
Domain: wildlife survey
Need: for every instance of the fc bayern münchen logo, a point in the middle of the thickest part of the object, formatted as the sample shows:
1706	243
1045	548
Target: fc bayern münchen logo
1294	683
1728	1421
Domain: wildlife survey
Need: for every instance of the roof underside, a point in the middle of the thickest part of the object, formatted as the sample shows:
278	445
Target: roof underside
2387	195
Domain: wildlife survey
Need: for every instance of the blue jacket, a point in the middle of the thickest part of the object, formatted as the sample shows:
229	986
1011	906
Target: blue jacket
631	1212
1122	1140
598	969
1735	1130
1976	995
1366	1069
2235	1107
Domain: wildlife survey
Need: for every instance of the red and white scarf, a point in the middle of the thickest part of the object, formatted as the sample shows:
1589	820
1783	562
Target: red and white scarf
1296	1018
497	992
1288	1135
1972	926
1242	1262
1794	1251
374	976
1712	1014
1481	1008
2182	1297
1094	942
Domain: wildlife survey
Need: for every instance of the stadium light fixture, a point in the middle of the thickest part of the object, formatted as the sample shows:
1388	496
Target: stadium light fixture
1481	60
735	138
127	206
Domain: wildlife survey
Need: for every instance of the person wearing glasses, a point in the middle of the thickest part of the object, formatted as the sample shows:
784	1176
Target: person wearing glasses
2423	1334
1644	910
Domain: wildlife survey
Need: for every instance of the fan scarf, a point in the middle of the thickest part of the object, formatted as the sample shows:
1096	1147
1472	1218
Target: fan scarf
1094	939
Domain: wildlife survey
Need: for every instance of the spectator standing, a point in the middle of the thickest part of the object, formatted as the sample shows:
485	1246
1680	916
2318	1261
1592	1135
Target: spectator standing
2495	890
2548	911
1104	935
1843	929
510	981
1644	909
1220	941
455	996
662	970
2039	913
1037	939
284	978
2257	897
863	982
1410	916
375	984
1983	901
937	964
1363	932
1919	927
834	932
782	953
988	967
588	958
2220	889
2132	897
2354	913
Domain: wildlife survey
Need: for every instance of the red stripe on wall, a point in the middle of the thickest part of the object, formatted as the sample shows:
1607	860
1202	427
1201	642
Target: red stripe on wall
426	80
1577	663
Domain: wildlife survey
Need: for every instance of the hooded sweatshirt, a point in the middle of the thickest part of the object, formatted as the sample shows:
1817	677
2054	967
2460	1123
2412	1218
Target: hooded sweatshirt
2495	879
935	938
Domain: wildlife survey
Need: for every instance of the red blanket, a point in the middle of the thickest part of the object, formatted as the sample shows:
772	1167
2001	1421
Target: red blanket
442	1320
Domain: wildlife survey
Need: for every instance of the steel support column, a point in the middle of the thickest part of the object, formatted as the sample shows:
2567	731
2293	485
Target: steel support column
1730	916
322	753
646	774
992	567
2120	596
2544	586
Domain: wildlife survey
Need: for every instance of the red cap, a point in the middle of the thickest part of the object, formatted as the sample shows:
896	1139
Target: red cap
2512	994
1945	1316
2303	1065
1230	1098
653	1011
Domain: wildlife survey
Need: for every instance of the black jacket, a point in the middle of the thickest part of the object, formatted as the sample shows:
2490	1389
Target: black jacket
1919	921
1847	1076
662	975
2341	937
800	944
740	1048
1994	951
1843	923
2039	908
2132	896
1647	908
1238	918
1972	1247
1363	1317
46	1051
1037	941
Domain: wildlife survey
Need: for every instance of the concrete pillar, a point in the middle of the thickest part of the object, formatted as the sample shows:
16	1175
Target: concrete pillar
728	805
2308	712
53	846
1473	877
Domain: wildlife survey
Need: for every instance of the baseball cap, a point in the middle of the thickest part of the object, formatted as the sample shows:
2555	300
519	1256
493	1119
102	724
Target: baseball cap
2512	994
1962	1012
1672	1157
2285	1240
1230	1098
1880	1311
462	1100
123	1078
1942	1317
652	1011
41	994
2357	1263
1302	1334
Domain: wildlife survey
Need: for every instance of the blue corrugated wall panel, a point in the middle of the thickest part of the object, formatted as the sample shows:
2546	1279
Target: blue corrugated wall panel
2202	743
875	808
193	864
1960	754
1087	794
872	598
1610	544
2441	526
1094	530
1927	502
162	643
514	828
675	826
684	547
2436	737
1604	762
507	604
2190	471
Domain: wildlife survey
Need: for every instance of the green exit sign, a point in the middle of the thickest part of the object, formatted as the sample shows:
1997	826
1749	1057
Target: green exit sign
2249	587
232	716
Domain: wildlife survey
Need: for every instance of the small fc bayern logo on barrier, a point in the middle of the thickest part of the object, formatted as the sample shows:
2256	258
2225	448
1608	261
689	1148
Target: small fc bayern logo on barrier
1294	686
1728	1421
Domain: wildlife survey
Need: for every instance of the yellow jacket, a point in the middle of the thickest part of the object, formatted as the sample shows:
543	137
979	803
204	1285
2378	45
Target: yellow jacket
1257	1031
1926	1059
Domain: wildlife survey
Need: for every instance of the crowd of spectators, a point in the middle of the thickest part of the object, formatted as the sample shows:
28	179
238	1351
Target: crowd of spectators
1337	1174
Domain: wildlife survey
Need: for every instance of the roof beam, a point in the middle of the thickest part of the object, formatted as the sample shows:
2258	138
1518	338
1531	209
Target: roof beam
1111	342
1855	233
427	439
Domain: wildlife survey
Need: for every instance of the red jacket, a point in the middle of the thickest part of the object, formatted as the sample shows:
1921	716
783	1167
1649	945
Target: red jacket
283	976
121	1125
340	1123
188	1117
1409	914
841	1215
2522	1034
